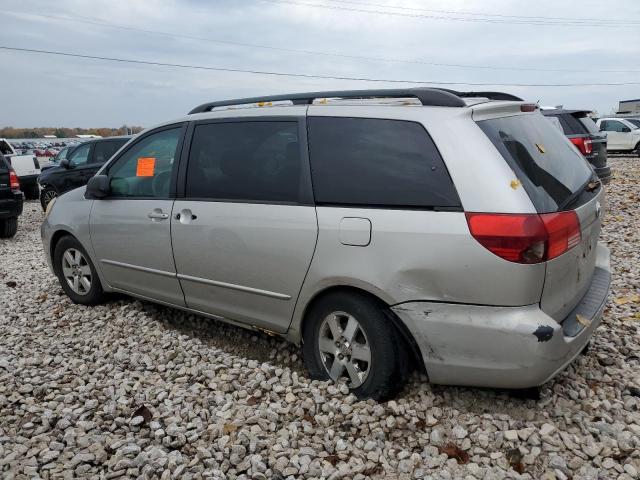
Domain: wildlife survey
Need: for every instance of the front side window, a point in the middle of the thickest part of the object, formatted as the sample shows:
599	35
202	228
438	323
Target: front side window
80	155
252	161
614	126
373	162
145	169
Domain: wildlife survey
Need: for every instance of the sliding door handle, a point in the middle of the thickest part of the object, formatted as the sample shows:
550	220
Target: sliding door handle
158	215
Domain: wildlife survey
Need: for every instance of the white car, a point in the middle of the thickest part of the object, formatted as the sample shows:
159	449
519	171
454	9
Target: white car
622	135
26	167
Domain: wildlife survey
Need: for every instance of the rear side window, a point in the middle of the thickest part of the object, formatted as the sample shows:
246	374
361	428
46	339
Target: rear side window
4	166
550	169
103	151
373	162
589	124
246	161
5	148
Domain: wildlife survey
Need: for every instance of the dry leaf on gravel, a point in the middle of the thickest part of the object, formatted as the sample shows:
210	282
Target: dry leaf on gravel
453	451
144	412
229	428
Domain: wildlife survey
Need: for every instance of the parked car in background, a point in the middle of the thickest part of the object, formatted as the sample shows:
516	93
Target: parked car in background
357	224
80	164
584	134
622	134
25	166
10	199
635	121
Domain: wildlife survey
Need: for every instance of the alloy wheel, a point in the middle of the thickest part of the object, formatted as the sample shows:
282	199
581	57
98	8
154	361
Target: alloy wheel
344	348
76	271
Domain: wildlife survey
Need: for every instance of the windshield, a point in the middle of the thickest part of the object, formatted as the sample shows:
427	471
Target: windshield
634	121
550	168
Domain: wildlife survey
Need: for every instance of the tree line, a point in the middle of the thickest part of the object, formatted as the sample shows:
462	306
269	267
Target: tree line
64	132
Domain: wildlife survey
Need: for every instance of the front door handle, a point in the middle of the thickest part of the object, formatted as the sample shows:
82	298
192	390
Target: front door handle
158	215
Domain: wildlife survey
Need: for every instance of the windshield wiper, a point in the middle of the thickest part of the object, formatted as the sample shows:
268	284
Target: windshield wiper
590	185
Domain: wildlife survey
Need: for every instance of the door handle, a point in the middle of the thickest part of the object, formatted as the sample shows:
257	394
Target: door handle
158	215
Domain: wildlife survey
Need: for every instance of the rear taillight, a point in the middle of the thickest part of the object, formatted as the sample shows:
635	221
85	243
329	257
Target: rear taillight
584	144
526	238
14	184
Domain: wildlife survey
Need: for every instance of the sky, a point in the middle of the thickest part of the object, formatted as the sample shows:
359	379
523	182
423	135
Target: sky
407	40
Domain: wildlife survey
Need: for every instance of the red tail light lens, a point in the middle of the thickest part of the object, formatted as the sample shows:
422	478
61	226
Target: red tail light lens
14	184
585	145
526	238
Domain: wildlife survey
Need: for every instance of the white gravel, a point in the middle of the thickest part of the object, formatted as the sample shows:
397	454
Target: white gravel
130	389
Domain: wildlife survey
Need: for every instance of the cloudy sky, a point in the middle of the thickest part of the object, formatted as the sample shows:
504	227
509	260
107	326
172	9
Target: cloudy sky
490	41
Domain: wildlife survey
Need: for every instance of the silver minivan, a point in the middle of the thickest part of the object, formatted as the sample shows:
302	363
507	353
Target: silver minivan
379	229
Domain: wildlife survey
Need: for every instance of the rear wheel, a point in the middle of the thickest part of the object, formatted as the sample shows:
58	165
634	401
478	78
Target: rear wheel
31	192
76	273
348	337
637	149
8	227
46	196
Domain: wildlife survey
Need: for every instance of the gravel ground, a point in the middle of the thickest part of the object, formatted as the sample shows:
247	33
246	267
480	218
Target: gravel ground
130	389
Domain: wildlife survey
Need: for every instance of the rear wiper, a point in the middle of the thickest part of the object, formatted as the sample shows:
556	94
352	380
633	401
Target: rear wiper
589	186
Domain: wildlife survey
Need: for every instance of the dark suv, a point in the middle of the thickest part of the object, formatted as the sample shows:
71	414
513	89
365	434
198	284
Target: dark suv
582	131
10	199
82	163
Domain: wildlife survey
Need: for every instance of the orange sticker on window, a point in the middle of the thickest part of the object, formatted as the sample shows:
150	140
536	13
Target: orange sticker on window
146	166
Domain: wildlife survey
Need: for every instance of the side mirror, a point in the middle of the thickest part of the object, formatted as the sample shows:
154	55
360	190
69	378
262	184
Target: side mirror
65	164
602	128
98	187
626	129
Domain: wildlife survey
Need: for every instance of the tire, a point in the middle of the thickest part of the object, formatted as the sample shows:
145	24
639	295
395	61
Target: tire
637	149
8	227
71	262
384	376
32	192
46	196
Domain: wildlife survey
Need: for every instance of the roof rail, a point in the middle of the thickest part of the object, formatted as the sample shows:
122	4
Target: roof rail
489	95
427	96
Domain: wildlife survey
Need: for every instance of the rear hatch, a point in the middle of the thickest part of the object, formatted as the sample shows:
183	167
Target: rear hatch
557	179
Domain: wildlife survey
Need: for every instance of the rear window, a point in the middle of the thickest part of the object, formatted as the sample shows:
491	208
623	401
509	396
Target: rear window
571	125
374	162
550	169
589	124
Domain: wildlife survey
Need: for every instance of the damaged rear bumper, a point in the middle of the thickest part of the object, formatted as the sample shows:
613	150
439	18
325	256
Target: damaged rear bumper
503	347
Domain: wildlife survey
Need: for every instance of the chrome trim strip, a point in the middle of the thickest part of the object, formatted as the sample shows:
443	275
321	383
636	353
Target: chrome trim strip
257	291
139	268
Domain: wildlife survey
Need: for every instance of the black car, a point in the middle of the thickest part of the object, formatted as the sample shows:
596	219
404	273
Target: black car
82	163
10	200
582	131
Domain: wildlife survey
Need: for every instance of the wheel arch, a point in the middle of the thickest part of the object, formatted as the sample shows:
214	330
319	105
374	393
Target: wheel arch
296	329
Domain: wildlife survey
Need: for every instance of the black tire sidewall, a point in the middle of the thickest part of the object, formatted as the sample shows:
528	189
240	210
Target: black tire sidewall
8	227
95	294
384	378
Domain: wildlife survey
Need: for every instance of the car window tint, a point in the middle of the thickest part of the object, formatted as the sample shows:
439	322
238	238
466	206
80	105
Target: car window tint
103	151
550	168
80	155
636	122
245	161
571	125
144	170
614	126
588	124
4	166
372	162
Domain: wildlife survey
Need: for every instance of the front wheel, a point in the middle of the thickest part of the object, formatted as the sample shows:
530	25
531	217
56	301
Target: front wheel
348	337
76	273
46	196
8	227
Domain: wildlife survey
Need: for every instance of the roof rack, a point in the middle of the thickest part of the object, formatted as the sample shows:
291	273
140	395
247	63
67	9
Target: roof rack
427	96
438	97
489	95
